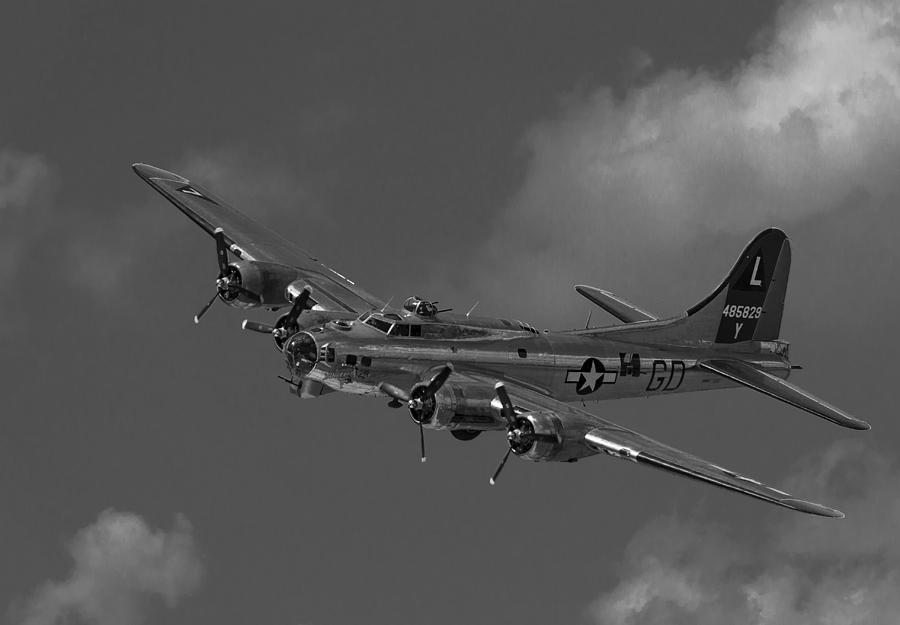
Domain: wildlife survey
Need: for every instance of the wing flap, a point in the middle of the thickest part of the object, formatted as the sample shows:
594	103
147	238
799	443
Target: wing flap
618	307
759	380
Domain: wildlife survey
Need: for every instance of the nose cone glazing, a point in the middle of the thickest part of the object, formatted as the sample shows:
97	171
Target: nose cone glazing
301	353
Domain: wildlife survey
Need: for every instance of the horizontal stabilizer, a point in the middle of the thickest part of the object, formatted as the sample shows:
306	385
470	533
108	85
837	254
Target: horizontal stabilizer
613	304
757	379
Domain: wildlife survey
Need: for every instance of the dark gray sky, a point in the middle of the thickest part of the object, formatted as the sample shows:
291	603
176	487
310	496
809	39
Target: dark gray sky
498	153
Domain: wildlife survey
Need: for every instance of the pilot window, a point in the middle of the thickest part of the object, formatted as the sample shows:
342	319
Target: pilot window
329	354
415	330
400	329
379	324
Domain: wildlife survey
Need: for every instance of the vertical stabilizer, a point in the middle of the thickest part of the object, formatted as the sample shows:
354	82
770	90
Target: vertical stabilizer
749	303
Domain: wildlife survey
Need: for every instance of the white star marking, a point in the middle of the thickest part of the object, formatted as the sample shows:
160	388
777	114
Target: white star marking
589	378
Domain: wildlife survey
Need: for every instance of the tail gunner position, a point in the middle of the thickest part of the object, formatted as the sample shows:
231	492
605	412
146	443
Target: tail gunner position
469	374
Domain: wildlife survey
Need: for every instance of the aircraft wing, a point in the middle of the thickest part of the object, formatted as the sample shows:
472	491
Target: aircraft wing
607	437
250	241
618	307
759	380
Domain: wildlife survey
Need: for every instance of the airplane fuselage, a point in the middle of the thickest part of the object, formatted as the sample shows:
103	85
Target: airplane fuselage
355	358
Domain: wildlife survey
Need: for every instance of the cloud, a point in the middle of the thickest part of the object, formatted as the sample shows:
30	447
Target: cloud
803	570
623	184
120	563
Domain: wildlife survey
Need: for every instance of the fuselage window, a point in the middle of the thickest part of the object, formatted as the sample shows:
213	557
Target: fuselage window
366	361
404	329
415	330
350	360
523	353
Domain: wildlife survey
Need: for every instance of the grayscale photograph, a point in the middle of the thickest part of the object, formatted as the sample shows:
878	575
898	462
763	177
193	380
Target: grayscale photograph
316	313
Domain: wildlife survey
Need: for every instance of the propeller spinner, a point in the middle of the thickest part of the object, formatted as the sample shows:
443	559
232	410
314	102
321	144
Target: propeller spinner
420	400
519	432
287	325
228	284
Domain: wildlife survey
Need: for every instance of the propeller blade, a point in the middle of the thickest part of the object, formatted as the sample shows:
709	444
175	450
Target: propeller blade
257	327
500	468
299	306
422	440
507	407
205	308
221	251
397	393
438	380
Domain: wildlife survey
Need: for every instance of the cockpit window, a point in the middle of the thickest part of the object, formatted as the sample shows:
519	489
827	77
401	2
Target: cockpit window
379	324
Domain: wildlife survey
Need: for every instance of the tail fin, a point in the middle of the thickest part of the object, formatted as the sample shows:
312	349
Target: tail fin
748	304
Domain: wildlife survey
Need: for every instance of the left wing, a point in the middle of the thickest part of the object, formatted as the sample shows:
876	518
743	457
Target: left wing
250	241
603	436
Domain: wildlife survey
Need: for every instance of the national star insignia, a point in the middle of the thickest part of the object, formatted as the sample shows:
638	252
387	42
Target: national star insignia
589	377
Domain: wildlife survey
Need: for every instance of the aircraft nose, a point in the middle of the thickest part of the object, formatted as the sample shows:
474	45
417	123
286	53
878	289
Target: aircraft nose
301	353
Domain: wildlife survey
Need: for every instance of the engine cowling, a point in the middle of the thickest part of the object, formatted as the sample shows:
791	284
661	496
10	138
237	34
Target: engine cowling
542	437
453	407
268	281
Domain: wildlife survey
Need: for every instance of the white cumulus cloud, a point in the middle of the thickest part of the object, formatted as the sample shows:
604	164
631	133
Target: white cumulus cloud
620	183
119	564
802	571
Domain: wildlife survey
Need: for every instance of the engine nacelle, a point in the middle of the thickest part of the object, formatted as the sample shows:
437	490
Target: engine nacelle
546	439
268	281
452	407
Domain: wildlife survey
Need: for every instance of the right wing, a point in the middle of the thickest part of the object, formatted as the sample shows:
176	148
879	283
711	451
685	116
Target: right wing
250	241
759	380
604	436
618	307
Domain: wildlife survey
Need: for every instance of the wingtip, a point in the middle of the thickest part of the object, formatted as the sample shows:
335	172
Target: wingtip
813	508
148	172
852	423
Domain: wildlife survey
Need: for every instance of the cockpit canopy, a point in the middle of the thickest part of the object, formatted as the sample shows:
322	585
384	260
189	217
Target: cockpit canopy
420	307
379	320
390	323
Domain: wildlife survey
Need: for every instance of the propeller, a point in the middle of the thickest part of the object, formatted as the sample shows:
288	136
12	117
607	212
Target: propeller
418	399
519	431
228	283
287	324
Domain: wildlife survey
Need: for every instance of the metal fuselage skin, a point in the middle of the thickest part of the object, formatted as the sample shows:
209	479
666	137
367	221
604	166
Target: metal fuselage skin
567	366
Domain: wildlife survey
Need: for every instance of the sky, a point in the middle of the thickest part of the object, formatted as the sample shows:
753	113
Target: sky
154	471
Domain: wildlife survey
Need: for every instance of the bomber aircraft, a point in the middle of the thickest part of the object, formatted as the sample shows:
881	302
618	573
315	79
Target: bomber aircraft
469	374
